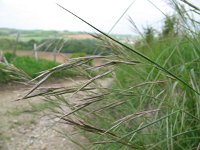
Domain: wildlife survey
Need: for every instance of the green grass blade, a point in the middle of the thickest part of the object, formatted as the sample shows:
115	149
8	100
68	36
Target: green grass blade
136	52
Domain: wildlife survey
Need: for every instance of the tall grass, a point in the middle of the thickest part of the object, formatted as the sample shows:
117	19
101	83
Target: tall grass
153	100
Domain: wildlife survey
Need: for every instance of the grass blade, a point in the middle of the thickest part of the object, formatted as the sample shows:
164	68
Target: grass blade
133	50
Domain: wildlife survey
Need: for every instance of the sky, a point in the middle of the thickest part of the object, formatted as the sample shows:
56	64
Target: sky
45	14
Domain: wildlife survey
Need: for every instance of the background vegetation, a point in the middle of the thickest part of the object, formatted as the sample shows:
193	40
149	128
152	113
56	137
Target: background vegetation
52	40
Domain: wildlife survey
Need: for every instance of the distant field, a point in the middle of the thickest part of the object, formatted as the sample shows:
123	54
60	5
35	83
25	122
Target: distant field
79	36
26	35
38	35
42	37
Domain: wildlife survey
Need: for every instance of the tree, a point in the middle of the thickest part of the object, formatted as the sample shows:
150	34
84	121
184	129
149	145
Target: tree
149	34
170	26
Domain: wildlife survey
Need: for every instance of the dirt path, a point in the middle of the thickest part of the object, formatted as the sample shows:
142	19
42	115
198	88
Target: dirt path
25	128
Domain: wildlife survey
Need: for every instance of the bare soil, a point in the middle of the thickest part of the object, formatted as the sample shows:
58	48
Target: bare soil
59	57
22	128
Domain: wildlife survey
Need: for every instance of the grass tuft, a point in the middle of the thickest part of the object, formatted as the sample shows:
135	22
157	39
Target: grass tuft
152	101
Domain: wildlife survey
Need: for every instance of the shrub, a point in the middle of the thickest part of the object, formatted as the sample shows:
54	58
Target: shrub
9	56
75	55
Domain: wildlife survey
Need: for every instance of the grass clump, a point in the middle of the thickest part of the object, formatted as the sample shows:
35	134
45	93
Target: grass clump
153	100
9	56
4	77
